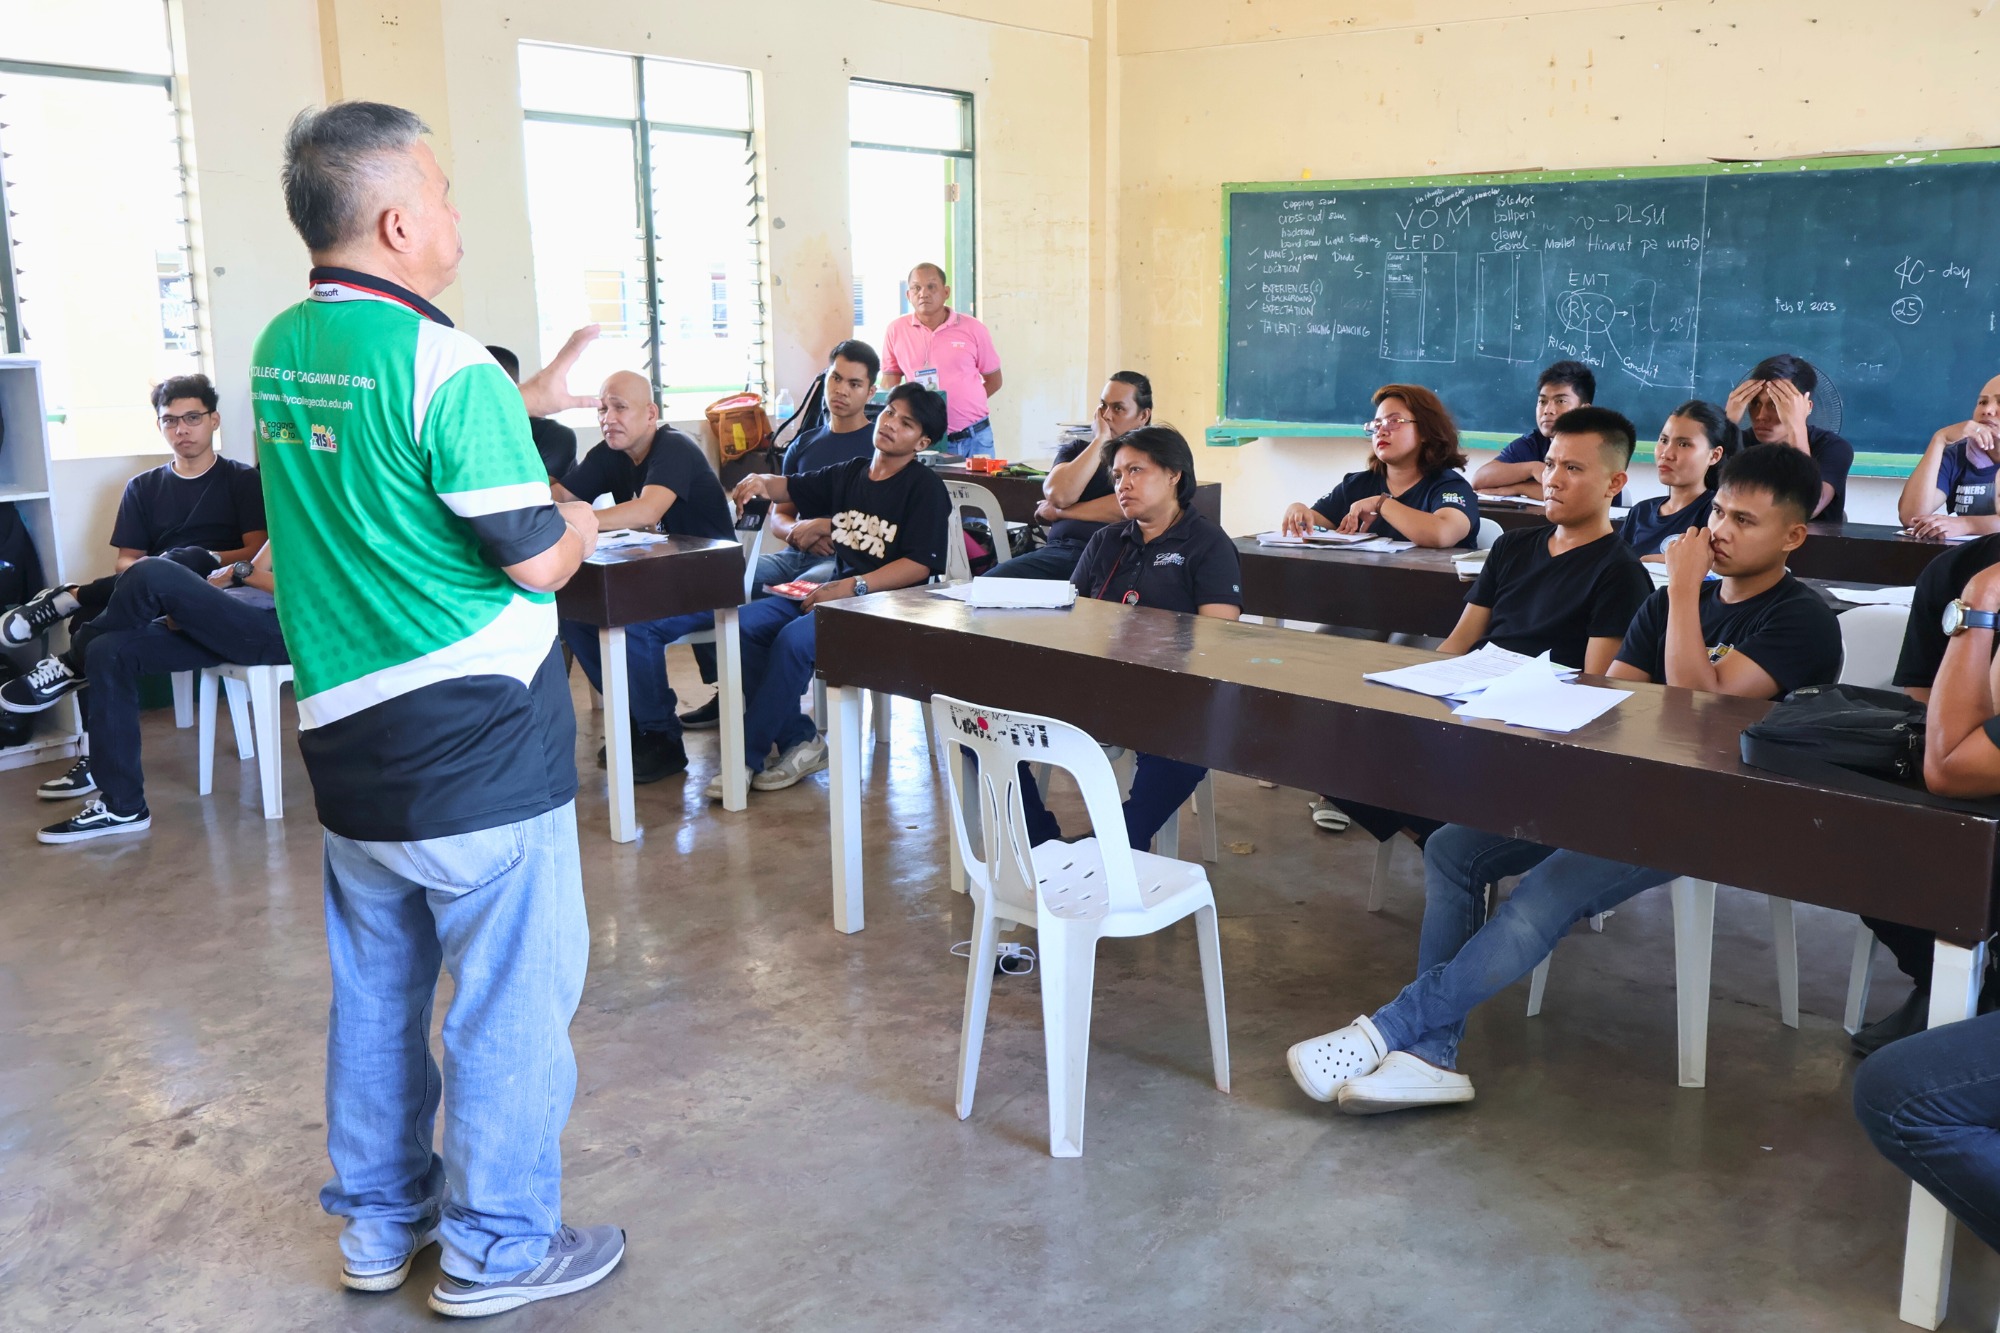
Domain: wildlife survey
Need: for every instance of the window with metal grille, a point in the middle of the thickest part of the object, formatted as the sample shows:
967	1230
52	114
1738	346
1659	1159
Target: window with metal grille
910	187
645	208
96	271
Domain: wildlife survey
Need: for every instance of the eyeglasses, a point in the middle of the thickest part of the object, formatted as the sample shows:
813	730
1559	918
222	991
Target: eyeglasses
1382	424
189	419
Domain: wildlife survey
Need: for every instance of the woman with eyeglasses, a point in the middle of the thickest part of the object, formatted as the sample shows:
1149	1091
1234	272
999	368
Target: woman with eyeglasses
1694	444
1412	490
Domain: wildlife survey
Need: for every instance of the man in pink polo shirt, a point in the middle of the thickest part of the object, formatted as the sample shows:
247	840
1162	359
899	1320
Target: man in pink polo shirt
950	352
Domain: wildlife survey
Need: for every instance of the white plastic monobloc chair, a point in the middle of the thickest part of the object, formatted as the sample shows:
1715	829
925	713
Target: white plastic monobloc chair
1871	638
1489	532
1073	894
261	685
971	495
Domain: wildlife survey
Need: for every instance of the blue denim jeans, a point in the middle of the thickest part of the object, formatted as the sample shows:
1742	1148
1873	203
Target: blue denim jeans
1044	562
785	565
1931	1103
645	663
778	651
502	911
1461	962
978	444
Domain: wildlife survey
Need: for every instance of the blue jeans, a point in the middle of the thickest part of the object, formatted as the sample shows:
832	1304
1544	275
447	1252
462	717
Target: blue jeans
778	651
1462	963
1931	1103
645	663
1044	562
1160	787
786	565
976	443
502	911
125	641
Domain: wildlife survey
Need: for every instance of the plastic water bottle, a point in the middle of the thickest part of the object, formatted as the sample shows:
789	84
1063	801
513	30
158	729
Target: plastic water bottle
783	406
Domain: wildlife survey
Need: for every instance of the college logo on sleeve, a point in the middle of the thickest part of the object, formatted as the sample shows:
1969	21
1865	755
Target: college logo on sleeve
864	532
323	440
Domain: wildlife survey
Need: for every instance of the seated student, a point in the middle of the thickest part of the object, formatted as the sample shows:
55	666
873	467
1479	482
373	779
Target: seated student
889	515
163	617
1077	499
844	436
1411	489
1931	1104
555	442
1517	469
658	477
1757	633
198	509
1163	555
1694	444
1956	474
1778	398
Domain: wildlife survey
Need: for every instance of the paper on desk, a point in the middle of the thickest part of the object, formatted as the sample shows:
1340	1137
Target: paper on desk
1534	695
1874	596
622	537
1334	541
1022	594
1450	677
1519	501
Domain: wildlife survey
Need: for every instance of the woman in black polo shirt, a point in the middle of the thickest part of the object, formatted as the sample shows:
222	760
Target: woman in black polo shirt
1166	557
1694	444
1412	490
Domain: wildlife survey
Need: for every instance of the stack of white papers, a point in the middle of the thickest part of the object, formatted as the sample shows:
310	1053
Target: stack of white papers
1457	677
1334	541
623	537
1874	596
1507	687
1519	501
997	594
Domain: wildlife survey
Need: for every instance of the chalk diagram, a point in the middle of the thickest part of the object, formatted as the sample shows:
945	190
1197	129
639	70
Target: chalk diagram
1508	314
1907	309
1420	306
1632	334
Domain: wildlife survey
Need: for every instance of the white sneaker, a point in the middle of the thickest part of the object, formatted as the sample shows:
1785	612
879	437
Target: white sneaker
1322	1065
714	791
801	761
1404	1082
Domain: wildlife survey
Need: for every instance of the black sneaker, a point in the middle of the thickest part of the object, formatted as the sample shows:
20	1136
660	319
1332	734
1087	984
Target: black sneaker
576	1259
657	755
1906	1020
95	821
76	782
705	718
32	618
43	687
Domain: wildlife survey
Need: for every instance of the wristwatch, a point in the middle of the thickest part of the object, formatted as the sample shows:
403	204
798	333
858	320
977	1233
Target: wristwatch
240	572
1960	616
861	587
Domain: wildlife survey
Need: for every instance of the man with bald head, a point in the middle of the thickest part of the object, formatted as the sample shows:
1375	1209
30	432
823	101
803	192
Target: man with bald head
657	477
944	350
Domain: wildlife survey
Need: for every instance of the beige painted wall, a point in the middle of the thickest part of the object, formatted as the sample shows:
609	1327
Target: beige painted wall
1268	89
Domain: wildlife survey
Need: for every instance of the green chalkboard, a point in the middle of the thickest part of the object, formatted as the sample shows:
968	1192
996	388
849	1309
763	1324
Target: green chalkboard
1884	272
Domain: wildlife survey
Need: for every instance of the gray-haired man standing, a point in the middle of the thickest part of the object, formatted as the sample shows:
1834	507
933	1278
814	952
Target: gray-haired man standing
421	552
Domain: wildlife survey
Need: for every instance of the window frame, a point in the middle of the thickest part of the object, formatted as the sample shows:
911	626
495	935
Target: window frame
962	258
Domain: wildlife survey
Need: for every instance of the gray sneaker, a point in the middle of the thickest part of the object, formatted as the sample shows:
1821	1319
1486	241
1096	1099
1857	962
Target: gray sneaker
576	1259
387	1275
802	760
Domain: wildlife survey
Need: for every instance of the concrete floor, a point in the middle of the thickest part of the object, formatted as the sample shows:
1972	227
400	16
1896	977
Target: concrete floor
765	1105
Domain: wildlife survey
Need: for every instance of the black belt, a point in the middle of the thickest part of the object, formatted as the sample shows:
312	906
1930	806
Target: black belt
966	434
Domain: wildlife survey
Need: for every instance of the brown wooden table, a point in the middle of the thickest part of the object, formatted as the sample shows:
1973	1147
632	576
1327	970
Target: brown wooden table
1293	709
672	576
1018	496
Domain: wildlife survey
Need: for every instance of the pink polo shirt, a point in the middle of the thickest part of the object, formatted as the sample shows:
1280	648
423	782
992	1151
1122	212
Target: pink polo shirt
960	351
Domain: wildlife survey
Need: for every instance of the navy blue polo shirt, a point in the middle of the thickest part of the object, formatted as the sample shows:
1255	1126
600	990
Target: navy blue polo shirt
1191	565
1443	489
1645	529
1530	448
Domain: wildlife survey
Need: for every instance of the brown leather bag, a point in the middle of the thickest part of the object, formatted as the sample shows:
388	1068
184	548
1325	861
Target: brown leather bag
740	424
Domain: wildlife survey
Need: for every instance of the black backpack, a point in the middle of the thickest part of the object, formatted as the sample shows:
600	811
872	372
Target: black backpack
1854	739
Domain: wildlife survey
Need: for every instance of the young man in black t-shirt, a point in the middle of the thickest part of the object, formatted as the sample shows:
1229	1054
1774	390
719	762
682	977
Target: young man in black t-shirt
1517	468
1756	633
1077	501
657	478
846	434
1777	399
889	515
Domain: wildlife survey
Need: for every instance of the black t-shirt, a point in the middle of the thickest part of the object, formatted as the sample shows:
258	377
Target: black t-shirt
876	523
162	510
1077	531
1835	457
1967	485
1645	529
556	443
1443	489
1940	583
1190	565
700	509
1557	604
1787	629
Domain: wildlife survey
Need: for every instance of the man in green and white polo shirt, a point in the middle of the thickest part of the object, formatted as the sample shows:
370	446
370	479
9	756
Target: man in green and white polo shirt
421	551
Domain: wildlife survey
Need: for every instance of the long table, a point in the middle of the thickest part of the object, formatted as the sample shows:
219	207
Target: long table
671	577
1291	708
1848	552
1018	496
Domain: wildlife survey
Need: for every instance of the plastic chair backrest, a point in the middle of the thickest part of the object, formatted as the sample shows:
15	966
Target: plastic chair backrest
753	551
1489	532
1000	744
1871	638
970	495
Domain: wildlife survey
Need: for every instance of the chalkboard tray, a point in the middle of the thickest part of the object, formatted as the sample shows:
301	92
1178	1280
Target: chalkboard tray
1883	271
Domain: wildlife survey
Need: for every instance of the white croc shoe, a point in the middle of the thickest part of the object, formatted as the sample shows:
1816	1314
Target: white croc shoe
1403	1083
1321	1066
